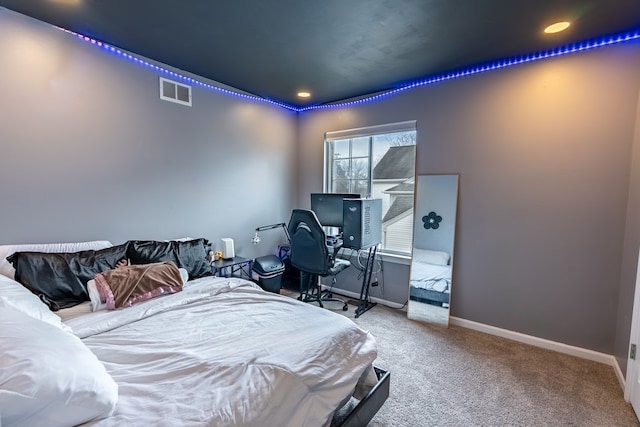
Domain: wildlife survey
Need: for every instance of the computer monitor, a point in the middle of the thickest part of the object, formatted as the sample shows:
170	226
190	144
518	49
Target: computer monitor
328	207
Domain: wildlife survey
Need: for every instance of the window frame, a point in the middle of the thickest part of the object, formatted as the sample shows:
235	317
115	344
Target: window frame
368	132
329	158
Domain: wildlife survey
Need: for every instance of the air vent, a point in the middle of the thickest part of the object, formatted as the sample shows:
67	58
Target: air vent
175	92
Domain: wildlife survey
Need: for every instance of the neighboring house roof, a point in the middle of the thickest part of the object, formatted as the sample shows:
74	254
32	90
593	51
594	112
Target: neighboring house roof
397	163
399	206
405	187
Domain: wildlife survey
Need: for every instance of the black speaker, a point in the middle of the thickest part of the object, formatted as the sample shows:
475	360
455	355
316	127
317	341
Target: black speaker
362	223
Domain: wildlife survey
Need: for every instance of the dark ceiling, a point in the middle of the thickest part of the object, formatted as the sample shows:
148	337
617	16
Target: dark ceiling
335	49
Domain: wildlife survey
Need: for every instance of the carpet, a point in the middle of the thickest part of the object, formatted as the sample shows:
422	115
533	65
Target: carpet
459	377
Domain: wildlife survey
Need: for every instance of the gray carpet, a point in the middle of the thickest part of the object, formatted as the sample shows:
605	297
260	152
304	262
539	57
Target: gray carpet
459	377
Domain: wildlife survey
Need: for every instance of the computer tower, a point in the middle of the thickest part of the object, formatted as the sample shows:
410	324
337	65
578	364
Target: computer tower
362	223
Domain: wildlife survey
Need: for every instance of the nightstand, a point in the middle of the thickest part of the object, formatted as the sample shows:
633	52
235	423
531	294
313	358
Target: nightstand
232	267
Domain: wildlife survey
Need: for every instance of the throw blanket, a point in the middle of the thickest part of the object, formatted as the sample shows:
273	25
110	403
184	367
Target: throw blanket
125	286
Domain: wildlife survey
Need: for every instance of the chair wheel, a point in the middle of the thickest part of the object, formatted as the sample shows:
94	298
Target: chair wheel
345	307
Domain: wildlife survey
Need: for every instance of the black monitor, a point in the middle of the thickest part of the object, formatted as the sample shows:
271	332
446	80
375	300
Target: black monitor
328	207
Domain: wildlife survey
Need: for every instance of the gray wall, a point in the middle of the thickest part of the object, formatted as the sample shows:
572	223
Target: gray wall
630	257
543	152
89	151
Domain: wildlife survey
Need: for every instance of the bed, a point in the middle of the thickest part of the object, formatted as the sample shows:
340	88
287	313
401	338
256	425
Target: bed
218	352
430	280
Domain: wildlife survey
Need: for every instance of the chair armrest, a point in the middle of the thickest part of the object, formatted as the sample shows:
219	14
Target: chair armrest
334	249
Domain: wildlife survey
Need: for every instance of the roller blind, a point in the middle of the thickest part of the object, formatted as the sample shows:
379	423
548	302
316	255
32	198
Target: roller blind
371	130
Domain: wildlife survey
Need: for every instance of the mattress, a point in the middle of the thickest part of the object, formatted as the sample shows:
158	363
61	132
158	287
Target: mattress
223	352
431	277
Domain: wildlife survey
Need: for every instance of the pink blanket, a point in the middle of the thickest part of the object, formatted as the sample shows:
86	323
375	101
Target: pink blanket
125	286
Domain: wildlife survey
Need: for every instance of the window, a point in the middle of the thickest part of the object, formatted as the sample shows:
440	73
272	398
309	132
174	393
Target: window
377	162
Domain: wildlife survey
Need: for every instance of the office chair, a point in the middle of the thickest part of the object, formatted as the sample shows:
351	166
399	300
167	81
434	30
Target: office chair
311	255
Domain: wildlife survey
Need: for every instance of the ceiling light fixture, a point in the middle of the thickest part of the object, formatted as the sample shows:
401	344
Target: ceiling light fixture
557	27
304	94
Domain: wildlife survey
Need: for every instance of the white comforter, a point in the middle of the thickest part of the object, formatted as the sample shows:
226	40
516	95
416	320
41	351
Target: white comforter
430	276
223	352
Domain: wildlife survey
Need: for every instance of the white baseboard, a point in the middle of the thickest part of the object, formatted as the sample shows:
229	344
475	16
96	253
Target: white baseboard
619	376
583	353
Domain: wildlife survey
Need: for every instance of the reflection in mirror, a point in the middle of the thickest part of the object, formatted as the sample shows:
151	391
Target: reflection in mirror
432	257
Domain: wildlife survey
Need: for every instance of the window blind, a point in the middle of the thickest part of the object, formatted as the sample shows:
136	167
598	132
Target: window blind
371	130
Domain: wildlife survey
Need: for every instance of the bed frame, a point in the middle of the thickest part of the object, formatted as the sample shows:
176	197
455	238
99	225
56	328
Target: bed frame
364	411
428	296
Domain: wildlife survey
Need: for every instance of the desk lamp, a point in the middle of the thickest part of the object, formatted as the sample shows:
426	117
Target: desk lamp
256	239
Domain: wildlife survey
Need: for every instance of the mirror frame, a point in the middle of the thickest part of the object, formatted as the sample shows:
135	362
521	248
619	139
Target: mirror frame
432	256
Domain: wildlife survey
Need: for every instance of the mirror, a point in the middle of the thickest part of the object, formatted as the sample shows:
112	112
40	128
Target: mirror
434	227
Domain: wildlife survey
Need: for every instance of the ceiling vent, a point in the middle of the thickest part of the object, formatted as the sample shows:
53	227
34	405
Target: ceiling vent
175	92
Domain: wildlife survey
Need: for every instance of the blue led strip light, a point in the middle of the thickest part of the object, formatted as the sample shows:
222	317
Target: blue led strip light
126	55
494	65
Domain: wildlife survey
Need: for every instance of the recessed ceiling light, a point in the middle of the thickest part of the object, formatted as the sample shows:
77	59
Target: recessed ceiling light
304	94
557	27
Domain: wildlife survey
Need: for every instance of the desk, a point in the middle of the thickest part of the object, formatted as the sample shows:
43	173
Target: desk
232	267
364	302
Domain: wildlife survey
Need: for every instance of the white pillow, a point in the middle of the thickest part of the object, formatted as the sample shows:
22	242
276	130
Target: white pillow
49	377
6	268
430	257
67	314
13	294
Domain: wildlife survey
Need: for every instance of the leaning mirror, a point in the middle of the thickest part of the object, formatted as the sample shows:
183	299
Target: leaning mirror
432	255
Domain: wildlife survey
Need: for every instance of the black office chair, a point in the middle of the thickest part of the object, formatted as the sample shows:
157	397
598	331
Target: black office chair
313	257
